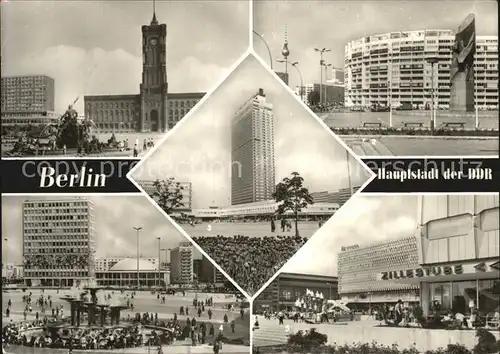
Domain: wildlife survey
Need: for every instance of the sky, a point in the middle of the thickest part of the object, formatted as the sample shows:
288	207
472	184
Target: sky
94	47
199	149
363	220
331	24
115	218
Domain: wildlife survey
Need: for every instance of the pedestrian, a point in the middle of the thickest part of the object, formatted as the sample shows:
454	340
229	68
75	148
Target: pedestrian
273	226
136	152
233	325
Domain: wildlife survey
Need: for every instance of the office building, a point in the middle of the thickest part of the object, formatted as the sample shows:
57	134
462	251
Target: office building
391	68
186	190
334	92
27	100
458	251
103	264
285	289
59	242
359	270
252	151
337	77
181	264
210	274
154	109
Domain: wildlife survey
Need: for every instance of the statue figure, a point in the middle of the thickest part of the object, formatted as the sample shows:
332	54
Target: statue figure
462	67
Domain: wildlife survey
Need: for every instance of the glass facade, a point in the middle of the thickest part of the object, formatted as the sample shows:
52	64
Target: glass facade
463	296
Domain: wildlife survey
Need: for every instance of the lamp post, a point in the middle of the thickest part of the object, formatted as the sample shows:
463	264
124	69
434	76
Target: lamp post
326	65
138	229
295	65
267	46
432	61
330	293
159	249
321	61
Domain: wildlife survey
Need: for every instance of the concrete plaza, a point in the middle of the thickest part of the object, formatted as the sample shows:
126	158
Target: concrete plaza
365	331
250	229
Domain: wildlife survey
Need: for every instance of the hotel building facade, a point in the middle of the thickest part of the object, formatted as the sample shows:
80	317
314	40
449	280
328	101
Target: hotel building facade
187	193
59	242
27	100
181	264
154	109
286	288
252	151
453	259
391	69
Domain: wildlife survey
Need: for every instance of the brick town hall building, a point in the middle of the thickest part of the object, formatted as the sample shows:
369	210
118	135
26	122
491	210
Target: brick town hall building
154	109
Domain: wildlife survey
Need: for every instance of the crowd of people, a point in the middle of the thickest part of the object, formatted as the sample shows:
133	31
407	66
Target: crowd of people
251	261
67	261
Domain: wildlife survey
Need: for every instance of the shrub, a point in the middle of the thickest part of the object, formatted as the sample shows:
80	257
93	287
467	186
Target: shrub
486	342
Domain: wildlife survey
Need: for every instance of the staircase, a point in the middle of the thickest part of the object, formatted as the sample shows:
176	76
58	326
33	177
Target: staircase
270	333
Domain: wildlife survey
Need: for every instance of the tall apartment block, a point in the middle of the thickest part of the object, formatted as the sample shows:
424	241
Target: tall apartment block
181	264
392	68
27	100
59	242
252	151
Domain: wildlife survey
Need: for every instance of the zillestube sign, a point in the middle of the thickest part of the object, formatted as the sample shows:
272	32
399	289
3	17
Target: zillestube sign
423	272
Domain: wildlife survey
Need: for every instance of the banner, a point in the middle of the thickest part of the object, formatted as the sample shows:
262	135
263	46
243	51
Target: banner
71	176
433	175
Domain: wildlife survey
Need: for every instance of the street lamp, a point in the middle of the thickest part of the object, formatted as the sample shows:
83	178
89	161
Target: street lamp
326	65
330	295
294	64
138	229
432	61
321	52
159	248
267	46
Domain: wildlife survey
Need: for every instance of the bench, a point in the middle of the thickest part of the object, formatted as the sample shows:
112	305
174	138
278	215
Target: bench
372	125
460	125
414	125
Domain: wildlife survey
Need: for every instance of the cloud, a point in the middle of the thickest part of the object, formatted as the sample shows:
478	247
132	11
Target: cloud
363	220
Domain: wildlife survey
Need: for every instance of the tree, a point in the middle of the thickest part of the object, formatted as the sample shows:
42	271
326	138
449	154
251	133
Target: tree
292	196
313	98
168	194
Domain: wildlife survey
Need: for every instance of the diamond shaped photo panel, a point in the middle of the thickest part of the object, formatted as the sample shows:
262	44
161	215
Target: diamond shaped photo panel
138	70
112	272
250	175
409	88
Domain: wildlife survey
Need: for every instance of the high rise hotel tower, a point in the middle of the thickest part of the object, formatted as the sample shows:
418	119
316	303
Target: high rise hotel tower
58	242
252	151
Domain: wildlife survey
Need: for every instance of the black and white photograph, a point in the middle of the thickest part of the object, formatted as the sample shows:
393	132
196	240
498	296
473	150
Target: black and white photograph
110	274
108	78
391	78
390	274
251	175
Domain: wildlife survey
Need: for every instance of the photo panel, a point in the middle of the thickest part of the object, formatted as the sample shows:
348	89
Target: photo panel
251	175
417	272
112	85
111	272
390	78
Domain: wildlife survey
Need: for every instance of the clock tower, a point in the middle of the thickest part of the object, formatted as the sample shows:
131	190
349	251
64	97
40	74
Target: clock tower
154	86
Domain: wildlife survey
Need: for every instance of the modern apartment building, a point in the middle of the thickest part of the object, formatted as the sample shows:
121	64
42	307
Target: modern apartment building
392	69
59	242
252	151
360	267
154	109
27	100
181	264
186	190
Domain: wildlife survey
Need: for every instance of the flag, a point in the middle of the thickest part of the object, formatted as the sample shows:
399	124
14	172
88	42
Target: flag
481	267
